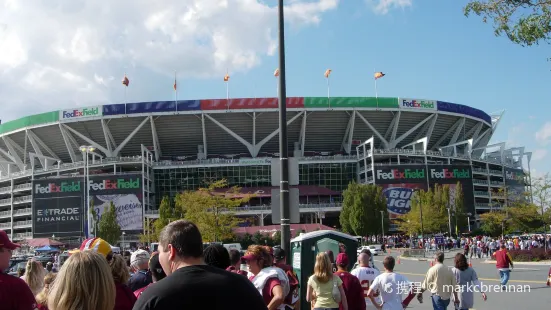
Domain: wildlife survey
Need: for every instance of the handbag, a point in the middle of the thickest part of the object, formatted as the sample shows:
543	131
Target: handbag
336	293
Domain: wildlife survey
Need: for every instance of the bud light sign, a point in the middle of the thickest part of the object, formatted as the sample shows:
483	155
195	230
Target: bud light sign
398	199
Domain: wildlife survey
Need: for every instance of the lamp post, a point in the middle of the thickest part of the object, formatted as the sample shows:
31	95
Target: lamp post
283	156
123	234
450	220
469	220
383	224
86	150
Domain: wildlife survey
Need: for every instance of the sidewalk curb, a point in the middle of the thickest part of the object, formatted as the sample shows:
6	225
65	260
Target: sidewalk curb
544	263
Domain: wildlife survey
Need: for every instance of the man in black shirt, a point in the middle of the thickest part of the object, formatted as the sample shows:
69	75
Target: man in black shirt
190	284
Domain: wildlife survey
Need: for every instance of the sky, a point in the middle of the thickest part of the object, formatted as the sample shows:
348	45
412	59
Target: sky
58	54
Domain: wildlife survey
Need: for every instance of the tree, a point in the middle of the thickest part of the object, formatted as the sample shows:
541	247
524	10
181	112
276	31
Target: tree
433	204
361	209
541	193
108	226
523	216
524	22
211	209
460	214
492	222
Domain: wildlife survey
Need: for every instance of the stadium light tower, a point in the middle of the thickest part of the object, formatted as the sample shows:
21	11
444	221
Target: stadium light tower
86	150
283	152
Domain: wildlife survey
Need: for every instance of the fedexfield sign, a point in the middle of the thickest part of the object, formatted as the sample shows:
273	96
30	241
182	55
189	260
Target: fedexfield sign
417	104
62	187
514	176
450	173
397	174
81	113
115	184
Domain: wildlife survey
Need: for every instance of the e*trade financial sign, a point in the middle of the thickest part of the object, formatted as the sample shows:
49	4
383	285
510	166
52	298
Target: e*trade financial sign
80	113
58	207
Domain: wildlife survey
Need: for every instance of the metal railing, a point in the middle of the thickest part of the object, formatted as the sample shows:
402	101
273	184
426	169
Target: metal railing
6	201
22	186
5	213
264	208
20	236
23	211
483	182
5	225
22	223
479	193
22	198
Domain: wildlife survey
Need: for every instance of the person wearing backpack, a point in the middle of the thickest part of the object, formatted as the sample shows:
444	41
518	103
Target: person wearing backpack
292	299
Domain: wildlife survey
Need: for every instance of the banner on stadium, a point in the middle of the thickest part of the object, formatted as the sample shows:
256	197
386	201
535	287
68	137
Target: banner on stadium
80	113
58	207
125	192
514	182
451	175
398	184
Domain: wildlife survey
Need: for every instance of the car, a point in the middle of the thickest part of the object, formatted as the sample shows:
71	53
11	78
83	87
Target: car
376	249
361	248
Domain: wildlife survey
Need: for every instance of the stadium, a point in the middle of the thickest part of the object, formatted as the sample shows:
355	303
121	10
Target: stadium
136	153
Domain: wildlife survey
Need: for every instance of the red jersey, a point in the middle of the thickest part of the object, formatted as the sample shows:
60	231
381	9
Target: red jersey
232	269
353	291
267	290
503	259
124	299
15	294
138	292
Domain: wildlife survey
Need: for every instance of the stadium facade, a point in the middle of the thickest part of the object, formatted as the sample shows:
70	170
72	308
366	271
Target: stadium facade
134	154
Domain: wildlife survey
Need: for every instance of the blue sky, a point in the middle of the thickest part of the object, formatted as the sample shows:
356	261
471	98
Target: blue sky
55	55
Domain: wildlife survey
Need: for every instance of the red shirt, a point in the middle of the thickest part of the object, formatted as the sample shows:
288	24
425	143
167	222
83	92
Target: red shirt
353	291
232	269
267	290
293	286
138	292
124	299
15	294
503	259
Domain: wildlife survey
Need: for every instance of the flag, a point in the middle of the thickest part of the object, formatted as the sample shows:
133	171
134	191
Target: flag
327	73
175	86
379	75
125	81
226	77
276	72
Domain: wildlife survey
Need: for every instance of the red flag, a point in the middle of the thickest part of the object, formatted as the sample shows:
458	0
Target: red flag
379	75
125	81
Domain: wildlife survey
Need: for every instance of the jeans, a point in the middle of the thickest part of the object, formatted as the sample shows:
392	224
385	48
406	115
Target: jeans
439	303
504	275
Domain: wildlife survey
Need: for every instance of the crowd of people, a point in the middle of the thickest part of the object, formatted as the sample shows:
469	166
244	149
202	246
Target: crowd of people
183	275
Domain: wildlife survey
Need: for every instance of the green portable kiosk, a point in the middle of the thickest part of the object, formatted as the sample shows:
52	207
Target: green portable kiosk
305	247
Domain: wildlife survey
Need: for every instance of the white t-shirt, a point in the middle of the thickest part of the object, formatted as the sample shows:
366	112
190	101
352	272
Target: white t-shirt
391	286
366	276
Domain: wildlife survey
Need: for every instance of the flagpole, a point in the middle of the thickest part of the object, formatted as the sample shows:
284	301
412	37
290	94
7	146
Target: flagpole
328	93
175	89
376	92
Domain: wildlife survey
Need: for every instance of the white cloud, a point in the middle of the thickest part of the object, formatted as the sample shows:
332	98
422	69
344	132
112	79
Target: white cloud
539	154
384	6
544	134
67	53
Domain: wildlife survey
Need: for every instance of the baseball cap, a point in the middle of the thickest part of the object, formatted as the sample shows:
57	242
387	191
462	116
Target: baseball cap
155	266
139	255
6	243
342	259
279	253
97	245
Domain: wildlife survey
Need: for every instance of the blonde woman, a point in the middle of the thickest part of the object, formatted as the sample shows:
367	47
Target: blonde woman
321	283
34	276
84	282
125	298
42	297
